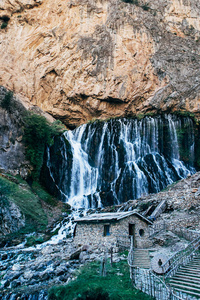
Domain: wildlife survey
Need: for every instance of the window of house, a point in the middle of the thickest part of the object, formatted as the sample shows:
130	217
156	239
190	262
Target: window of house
106	230
141	232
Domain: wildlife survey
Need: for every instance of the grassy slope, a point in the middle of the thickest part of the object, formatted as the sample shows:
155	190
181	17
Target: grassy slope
116	285
39	208
20	193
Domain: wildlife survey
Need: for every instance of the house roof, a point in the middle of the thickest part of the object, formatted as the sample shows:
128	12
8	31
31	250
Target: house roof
103	217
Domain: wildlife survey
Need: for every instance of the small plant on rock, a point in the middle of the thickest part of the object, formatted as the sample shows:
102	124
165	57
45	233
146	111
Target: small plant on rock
4	25
131	1
6	102
145	7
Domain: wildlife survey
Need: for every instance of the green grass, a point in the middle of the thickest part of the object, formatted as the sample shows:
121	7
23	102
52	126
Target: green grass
170	186
25	199
42	194
90	285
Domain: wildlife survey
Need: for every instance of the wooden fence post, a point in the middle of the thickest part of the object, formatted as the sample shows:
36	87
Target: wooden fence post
111	256
131	257
103	265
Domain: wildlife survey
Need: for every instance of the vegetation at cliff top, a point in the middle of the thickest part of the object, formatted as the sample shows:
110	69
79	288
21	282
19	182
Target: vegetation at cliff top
136	2
38	133
90	285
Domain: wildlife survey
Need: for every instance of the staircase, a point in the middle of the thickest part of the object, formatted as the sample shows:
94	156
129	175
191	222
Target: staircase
187	278
141	258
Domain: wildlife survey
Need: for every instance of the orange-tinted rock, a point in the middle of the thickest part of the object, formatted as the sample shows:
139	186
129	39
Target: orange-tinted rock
86	59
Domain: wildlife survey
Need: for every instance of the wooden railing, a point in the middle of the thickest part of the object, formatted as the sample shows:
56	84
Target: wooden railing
149	283
154	286
180	258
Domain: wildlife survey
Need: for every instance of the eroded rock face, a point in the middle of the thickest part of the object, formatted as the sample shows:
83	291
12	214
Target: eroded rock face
12	150
11	217
85	59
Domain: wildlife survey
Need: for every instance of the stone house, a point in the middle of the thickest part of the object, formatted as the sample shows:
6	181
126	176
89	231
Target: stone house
110	229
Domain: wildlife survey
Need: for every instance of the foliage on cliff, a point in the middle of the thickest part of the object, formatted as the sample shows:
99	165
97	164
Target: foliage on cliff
38	133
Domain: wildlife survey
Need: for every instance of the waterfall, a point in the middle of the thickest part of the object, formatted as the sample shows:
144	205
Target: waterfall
105	163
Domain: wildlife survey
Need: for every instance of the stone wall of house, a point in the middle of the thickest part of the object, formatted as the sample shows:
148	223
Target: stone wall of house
93	233
122	228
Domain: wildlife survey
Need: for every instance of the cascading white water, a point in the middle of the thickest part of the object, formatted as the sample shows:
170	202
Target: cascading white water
111	162
83	176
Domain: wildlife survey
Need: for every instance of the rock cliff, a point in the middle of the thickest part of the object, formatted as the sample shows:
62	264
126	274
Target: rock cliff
12	150
11	217
85	59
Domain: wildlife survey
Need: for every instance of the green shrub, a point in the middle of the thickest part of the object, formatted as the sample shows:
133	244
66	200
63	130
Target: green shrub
131	1
144	205
140	116
95	294
4	25
145	7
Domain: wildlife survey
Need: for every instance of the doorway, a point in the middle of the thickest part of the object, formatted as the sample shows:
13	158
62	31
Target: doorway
131	232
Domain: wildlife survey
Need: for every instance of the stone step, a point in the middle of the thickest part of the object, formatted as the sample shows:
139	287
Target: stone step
196	260
143	255
141	250
141	262
142	267
141	258
186	283
187	278
187	274
187	292
186	288
192	267
190	270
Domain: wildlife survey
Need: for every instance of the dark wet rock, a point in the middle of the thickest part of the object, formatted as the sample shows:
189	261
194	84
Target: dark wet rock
4	256
15	283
